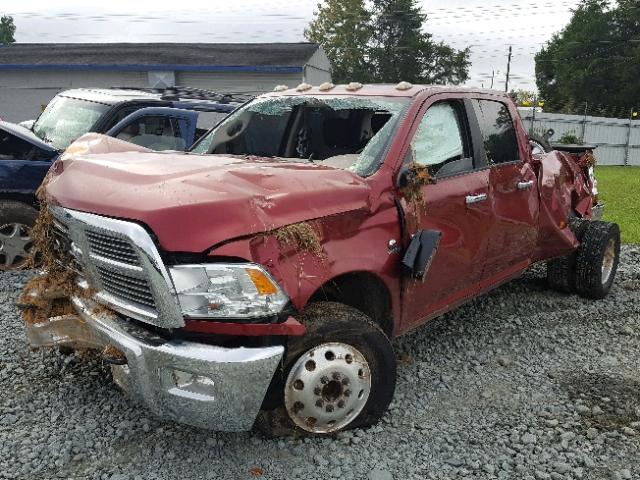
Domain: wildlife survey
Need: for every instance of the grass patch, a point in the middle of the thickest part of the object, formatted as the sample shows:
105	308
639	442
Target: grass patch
620	190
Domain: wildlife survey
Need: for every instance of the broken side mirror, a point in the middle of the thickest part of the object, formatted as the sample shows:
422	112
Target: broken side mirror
420	253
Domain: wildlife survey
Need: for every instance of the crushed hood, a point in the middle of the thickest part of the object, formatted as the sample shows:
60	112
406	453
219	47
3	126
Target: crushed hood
192	202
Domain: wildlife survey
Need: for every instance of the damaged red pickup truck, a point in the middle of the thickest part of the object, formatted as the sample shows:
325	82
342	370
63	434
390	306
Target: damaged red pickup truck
263	275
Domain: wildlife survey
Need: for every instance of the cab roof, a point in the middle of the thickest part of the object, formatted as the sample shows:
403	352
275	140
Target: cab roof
381	90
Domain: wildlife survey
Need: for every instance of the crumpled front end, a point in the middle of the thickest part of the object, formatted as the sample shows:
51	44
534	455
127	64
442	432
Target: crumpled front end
198	384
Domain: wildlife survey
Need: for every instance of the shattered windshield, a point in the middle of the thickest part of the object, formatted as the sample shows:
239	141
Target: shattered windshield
65	119
350	133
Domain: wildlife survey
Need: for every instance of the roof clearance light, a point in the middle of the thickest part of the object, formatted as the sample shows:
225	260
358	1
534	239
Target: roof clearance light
404	86
326	86
303	87
280	88
353	86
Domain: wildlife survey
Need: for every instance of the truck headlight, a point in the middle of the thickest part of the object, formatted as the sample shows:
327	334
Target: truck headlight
226	290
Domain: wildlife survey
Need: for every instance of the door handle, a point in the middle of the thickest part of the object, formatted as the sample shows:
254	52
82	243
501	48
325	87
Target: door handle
471	199
525	185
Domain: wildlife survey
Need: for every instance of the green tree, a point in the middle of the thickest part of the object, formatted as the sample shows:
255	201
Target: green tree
384	44
343	29
402	50
7	29
594	60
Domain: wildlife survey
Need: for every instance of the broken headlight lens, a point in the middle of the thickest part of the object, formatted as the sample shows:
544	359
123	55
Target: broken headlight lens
227	290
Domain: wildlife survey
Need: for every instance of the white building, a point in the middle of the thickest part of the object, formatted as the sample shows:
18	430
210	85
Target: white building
31	74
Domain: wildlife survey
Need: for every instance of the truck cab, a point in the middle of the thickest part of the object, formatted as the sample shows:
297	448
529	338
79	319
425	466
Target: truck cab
260	277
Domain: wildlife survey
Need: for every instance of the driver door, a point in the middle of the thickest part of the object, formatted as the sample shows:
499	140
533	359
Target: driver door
457	206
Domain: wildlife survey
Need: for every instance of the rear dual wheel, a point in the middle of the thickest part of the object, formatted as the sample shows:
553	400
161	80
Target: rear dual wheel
591	269
598	258
340	375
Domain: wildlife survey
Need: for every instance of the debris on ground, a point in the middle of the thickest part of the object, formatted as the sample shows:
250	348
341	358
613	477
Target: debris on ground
567	398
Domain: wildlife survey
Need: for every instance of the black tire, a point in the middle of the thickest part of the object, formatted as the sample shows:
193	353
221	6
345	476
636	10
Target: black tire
597	259
15	213
329	322
561	271
541	142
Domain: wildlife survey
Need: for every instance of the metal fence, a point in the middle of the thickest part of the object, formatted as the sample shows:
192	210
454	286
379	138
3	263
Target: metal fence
618	140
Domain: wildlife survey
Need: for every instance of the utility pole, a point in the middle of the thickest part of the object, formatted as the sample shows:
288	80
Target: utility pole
506	84
493	74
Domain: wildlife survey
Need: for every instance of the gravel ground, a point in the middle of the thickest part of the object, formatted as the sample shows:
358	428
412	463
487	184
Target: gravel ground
522	383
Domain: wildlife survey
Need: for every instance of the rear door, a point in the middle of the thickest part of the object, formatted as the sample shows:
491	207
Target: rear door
457	205
158	128
513	190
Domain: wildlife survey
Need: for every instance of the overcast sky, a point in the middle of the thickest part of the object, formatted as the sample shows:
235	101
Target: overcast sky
488	26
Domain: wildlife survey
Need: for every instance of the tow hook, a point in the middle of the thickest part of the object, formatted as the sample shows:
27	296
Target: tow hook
114	356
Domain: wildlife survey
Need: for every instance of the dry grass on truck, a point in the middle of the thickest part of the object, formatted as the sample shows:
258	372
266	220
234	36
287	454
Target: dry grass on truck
302	236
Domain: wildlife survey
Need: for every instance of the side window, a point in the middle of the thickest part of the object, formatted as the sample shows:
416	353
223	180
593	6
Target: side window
498	132
155	132
440	140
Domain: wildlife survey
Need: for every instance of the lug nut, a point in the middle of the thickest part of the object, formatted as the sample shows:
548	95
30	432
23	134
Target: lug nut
329	408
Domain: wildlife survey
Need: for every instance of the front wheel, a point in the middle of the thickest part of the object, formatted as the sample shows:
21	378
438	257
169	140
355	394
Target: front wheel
340	375
16	221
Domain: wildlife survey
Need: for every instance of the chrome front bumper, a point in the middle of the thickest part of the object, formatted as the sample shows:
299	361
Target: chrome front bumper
197	384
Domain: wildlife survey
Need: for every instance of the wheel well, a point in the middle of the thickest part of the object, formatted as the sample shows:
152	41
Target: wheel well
362	290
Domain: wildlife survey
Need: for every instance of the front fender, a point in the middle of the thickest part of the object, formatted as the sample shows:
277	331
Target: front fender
351	242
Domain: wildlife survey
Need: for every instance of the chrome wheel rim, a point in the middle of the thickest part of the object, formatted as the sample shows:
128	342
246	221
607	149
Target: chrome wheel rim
608	261
15	244
327	387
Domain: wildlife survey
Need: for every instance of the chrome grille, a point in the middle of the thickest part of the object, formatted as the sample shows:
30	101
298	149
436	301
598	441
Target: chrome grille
112	248
65	247
126	287
121	262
